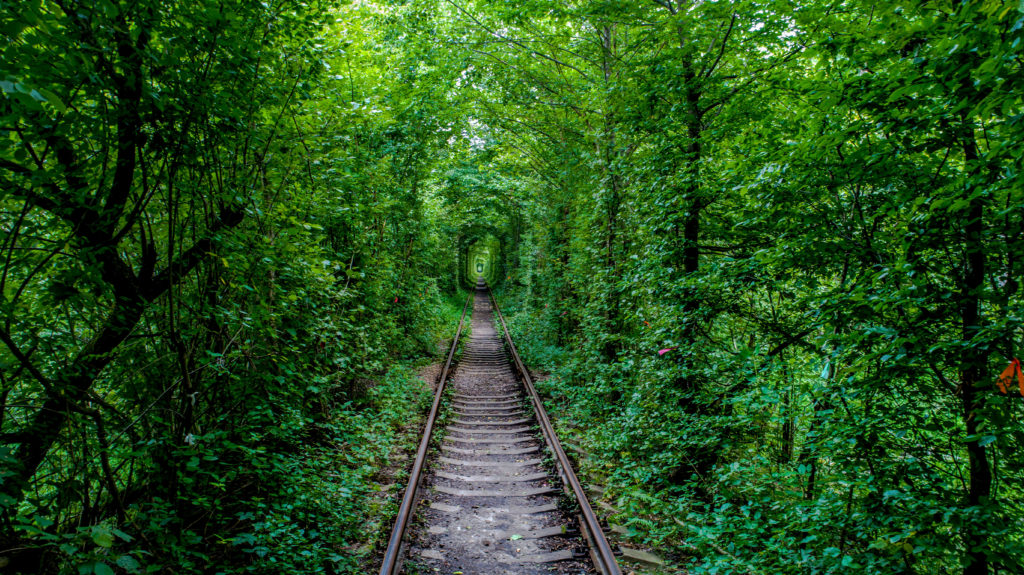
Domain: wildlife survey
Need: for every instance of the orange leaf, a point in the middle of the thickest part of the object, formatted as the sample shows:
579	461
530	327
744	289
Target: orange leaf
1007	376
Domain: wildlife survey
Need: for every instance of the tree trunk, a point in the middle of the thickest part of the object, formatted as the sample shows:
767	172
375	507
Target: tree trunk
972	369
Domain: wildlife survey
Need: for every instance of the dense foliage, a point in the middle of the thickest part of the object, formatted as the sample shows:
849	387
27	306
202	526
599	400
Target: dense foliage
771	253
216	243
813	212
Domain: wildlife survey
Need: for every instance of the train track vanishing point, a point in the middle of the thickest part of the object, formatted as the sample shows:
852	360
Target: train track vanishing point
500	496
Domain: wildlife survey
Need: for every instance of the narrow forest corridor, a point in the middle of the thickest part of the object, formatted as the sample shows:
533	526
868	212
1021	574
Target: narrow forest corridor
761	259
492	507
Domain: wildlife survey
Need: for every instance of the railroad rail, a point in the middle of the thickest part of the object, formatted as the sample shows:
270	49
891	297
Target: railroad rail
485	502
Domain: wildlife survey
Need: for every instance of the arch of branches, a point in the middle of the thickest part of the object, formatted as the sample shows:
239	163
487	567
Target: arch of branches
481	254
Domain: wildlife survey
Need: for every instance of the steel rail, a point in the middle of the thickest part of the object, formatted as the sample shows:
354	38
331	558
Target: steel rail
391	554
605	556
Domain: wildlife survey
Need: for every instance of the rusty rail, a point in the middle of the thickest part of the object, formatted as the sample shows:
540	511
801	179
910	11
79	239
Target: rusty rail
604	556
391	555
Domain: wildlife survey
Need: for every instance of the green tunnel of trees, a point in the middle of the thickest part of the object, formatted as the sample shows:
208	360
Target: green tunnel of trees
769	252
483	260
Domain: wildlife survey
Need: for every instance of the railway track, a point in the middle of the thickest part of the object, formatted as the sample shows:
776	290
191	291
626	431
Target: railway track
498	496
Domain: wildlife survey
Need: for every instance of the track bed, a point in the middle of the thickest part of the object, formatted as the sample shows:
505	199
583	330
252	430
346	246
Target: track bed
491	505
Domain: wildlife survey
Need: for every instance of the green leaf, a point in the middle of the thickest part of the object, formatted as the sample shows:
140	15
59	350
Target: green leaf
102	536
128	563
53	100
